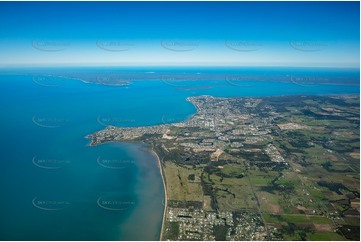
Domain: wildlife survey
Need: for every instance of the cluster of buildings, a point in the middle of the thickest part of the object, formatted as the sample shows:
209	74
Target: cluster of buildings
274	154
198	224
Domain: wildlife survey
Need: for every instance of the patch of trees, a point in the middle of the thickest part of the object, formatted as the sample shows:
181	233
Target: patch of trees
220	232
333	186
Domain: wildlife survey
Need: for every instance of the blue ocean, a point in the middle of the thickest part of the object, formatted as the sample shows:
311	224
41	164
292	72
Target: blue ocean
55	187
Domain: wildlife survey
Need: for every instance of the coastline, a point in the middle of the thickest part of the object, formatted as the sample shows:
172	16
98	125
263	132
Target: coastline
151	148
165	193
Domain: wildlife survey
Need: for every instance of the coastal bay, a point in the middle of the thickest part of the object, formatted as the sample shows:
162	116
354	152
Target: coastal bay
56	165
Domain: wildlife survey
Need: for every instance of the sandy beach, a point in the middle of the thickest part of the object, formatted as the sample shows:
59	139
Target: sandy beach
165	194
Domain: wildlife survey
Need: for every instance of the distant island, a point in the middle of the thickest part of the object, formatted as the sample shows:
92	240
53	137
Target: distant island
270	168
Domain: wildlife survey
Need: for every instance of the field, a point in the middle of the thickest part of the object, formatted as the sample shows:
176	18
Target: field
180	185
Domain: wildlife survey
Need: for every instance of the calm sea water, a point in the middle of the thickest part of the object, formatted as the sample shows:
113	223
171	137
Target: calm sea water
55	187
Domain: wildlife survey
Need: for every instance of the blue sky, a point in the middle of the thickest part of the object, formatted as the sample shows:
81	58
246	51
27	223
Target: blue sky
180	33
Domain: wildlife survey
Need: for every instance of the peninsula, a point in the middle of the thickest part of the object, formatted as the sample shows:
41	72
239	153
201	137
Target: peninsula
270	168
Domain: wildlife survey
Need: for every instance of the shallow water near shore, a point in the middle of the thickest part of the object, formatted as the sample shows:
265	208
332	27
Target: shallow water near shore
55	187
